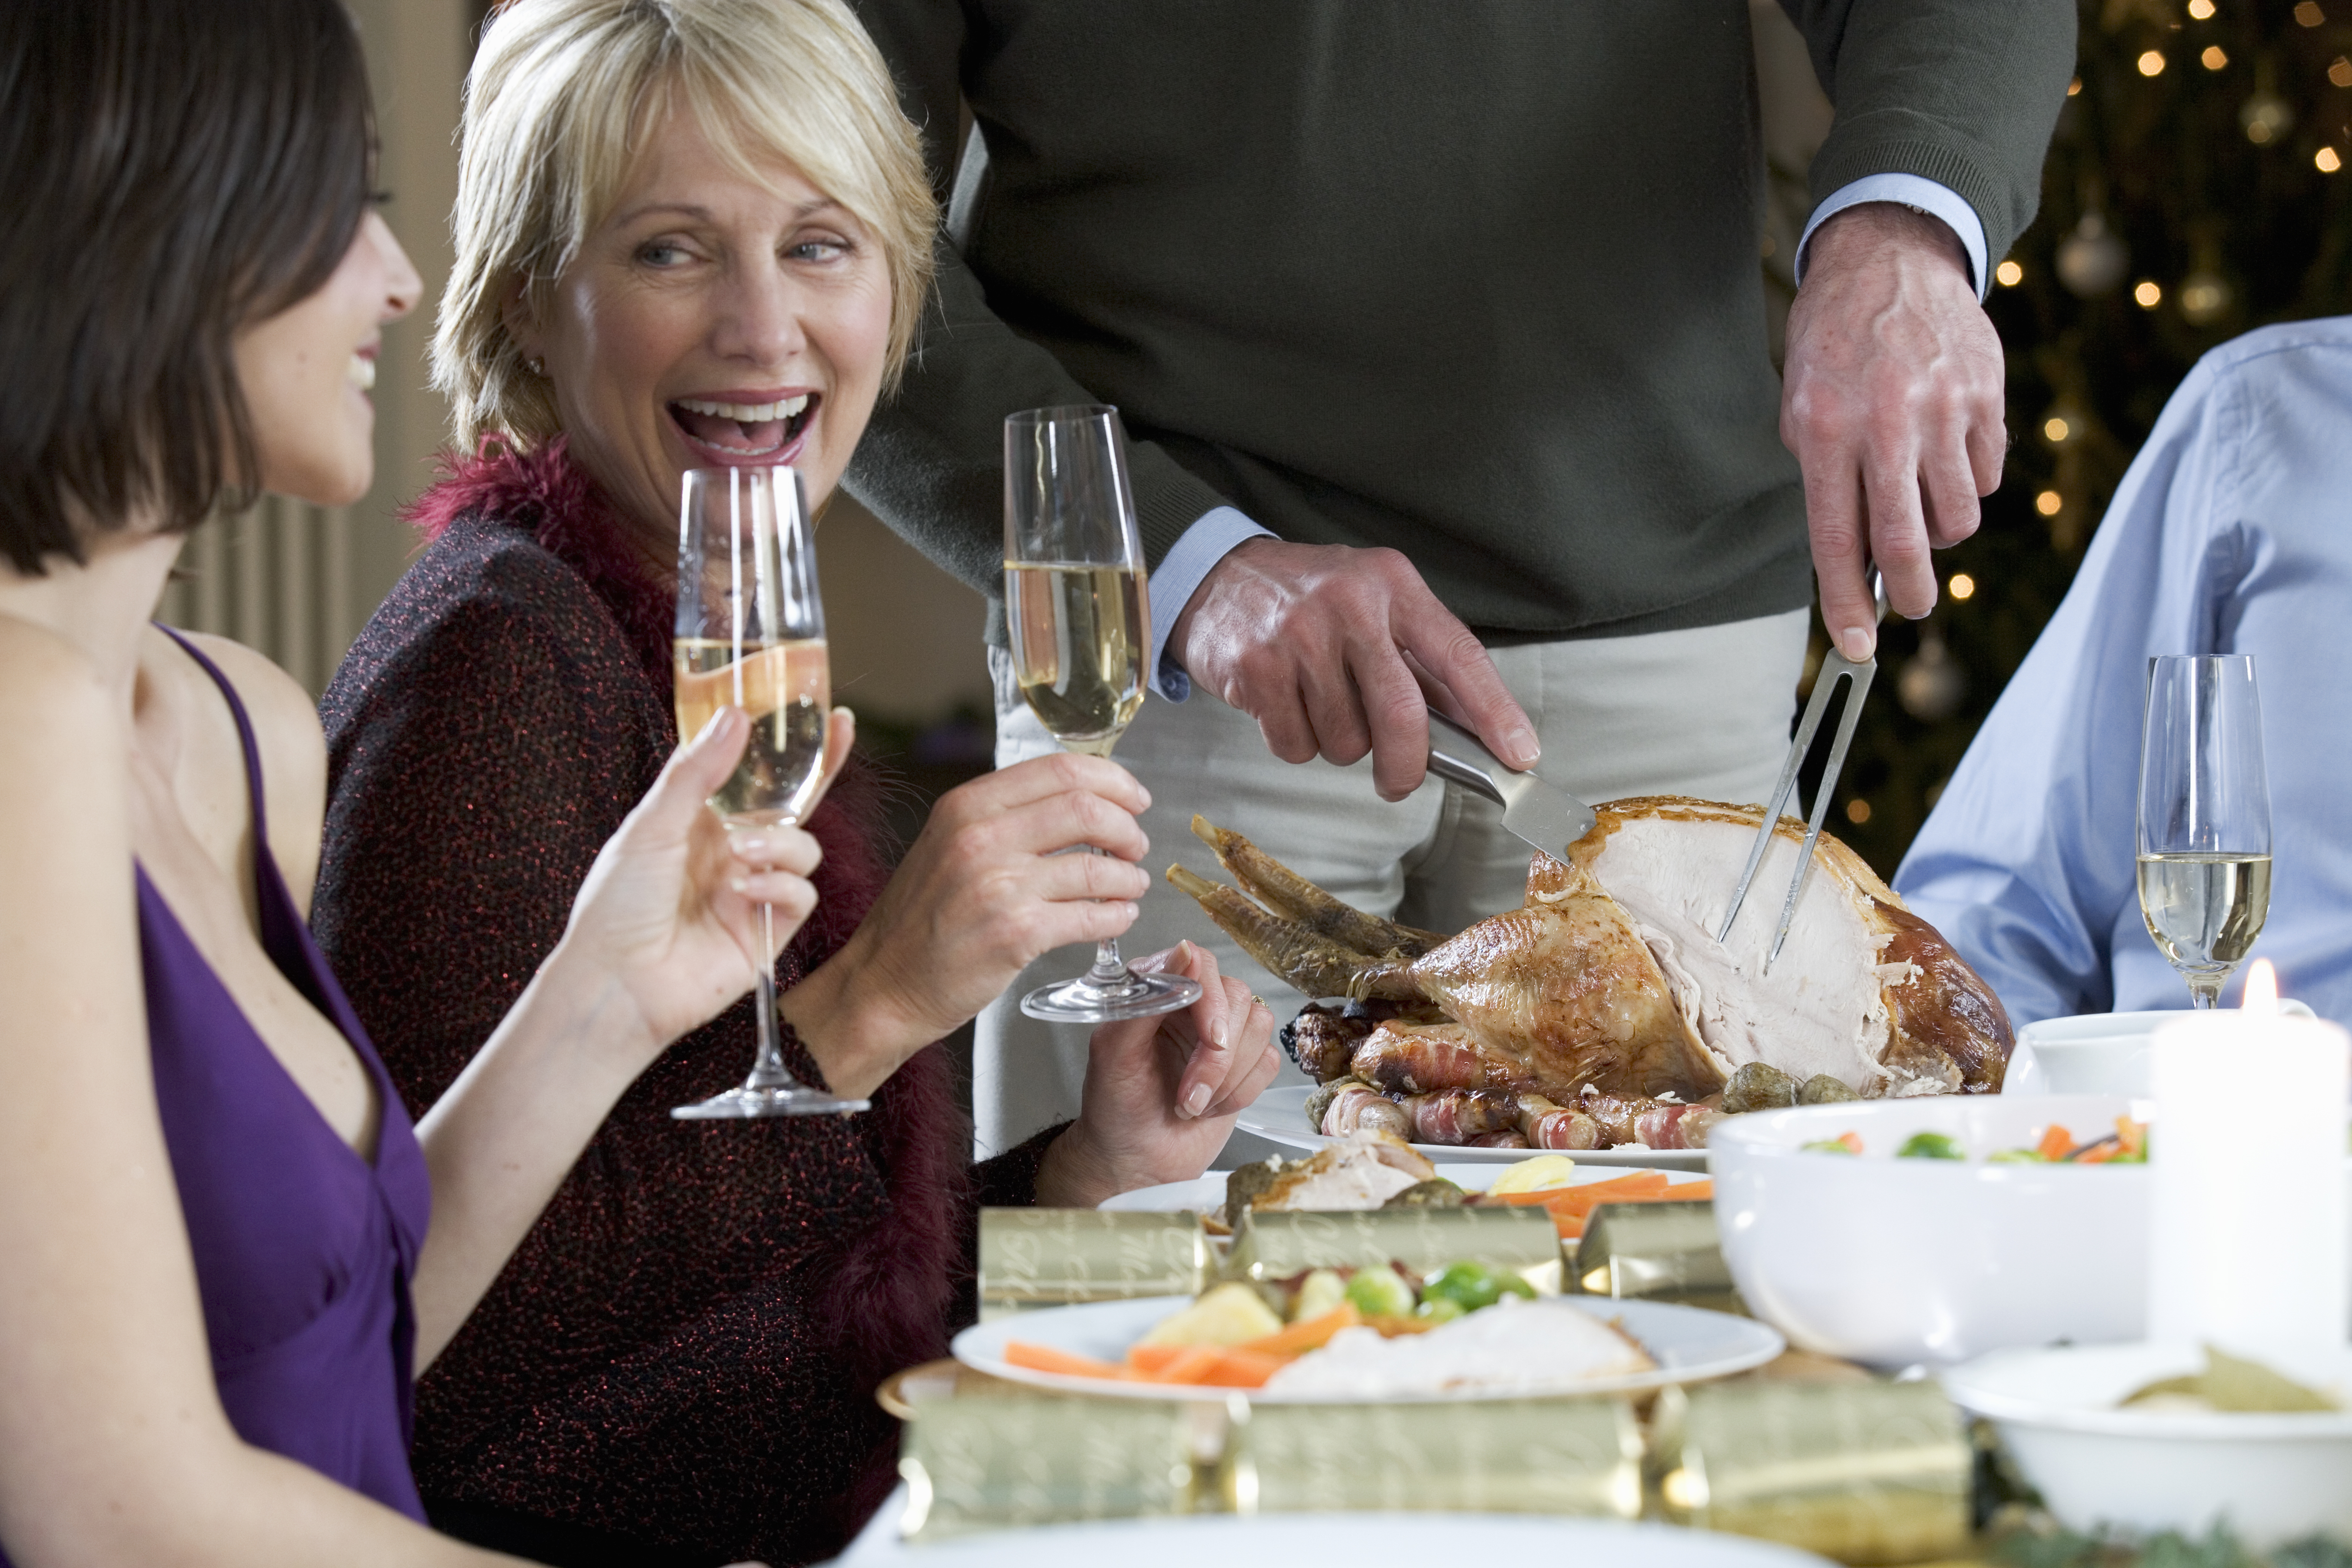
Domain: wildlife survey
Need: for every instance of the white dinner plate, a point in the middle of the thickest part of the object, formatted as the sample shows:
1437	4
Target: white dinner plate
1690	1345
1322	1537
1280	1114
1188	1542
1206	1193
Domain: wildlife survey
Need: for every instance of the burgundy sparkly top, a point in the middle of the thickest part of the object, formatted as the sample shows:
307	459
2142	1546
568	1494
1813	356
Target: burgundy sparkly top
684	1350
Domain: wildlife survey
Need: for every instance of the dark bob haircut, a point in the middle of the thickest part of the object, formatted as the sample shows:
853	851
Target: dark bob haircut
171	170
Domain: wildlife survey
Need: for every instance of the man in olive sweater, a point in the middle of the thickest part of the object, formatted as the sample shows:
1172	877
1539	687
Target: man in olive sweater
1439	330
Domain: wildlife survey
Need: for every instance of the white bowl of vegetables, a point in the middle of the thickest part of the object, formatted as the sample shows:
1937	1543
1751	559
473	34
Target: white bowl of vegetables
1931	1230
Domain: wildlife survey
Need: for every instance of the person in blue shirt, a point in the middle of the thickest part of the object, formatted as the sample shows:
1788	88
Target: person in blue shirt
2231	533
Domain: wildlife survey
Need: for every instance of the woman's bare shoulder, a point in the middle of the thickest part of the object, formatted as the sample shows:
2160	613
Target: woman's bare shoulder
274	699
293	752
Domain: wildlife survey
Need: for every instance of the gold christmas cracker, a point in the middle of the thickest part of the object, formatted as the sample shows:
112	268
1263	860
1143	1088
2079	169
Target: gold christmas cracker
1867	1473
998	1463
1580	1457
1276	1244
1658	1251
1056	1257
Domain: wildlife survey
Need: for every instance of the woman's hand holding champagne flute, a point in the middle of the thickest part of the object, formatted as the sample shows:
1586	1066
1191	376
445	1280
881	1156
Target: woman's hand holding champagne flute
1078	614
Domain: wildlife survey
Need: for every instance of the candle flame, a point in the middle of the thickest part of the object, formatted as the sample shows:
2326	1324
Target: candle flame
2262	996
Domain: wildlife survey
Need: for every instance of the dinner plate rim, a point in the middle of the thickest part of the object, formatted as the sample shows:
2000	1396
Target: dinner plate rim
1453	1171
1258	1120
1767	1342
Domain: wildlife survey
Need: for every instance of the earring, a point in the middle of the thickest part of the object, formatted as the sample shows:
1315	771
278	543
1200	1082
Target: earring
537	367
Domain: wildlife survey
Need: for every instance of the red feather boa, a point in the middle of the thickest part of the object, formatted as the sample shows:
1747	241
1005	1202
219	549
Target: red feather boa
894	1290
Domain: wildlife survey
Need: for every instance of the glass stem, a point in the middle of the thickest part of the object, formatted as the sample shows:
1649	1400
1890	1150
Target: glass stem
2205	992
1109	970
768	1068
1110	967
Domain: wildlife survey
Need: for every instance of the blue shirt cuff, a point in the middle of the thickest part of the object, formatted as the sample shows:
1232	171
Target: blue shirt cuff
1204	545
1913	191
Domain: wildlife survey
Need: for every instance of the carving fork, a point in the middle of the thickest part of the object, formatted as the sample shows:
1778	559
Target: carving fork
1835	667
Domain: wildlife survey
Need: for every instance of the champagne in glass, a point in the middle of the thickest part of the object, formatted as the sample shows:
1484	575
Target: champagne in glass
1080	619
751	634
1077	655
785	690
2204	818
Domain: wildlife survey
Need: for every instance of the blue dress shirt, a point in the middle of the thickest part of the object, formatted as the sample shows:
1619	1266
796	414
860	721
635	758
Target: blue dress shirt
1218	530
2231	534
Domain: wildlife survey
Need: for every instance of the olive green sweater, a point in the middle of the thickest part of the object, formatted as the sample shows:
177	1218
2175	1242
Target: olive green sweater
1476	279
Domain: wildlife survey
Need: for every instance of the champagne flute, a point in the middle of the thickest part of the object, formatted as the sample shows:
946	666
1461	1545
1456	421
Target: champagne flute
1076	608
2204	817
751	634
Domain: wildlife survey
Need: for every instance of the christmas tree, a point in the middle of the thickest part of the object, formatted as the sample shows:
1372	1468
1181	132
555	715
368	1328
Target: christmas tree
2196	187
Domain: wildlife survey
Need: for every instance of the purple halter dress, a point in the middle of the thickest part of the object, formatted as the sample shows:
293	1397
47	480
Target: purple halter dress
303	1249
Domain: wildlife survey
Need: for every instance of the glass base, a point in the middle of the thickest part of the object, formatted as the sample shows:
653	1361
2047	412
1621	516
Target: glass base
1132	996
748	1104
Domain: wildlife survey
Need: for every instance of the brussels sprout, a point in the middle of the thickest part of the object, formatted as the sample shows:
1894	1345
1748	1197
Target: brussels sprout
2018	1157
1435	1193
1821	1088
1439	1309
1322	1291
1843	1144
1471	1286
1378	1292
1757	1086
1929	1146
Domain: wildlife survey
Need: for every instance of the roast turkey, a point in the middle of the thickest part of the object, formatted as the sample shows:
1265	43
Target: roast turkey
1607	990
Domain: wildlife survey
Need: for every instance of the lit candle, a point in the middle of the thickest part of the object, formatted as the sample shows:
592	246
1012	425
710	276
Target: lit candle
2249	1217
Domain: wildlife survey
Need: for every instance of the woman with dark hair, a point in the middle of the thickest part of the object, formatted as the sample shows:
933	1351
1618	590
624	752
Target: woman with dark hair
699	234
218	1277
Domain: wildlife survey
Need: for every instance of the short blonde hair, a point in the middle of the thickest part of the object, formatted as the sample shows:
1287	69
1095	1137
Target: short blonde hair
561	98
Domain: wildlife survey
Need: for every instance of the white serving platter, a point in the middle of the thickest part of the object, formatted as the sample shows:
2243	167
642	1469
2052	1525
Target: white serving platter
1206	1193
1689	1344
1280	1114
1303	1538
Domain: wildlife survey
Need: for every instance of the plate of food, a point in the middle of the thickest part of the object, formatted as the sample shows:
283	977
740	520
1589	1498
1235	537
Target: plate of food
1613	1015
1366	1335
1280	1116
1370	1170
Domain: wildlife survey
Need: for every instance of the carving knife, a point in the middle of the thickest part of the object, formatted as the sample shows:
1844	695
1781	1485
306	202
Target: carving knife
1546	816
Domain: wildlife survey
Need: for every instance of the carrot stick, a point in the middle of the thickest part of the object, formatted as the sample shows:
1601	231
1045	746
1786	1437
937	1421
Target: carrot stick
1191	1365
2132	1135
1152	1359
1581	1201
1237	1368
1631	1181
2057	1143
1045	1358
1692	1192
1299	1338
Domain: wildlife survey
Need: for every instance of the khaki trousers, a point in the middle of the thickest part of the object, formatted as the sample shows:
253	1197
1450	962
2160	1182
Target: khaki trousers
1704	712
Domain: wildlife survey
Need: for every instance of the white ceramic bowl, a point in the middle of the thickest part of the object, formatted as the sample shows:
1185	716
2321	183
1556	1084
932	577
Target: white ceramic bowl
2276	1477
2094	1053
1894	1262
